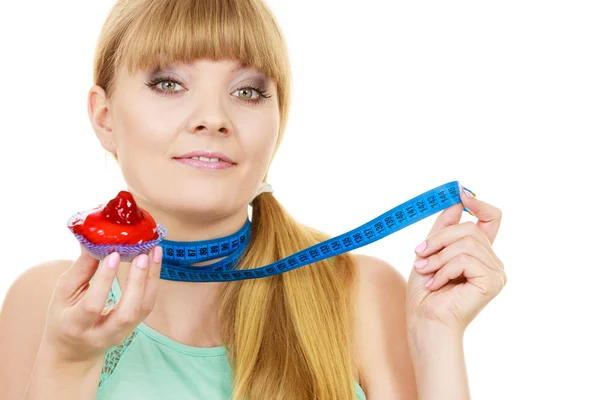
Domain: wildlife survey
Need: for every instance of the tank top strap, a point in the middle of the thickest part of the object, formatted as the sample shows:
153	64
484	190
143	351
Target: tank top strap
114	293
113	355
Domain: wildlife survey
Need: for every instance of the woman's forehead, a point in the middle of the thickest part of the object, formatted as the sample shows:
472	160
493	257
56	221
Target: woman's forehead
229	66
233	66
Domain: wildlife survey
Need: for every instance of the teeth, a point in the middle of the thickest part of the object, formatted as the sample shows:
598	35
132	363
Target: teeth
206	159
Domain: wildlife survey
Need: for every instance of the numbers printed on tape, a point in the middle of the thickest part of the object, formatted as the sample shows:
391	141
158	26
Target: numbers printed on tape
179	256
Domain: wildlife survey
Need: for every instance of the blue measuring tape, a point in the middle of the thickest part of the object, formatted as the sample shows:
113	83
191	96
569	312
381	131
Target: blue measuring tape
177	256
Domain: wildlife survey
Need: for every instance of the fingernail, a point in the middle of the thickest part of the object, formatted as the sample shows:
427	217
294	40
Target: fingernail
421	247
421	263
157	254
112	260
429	282
467	193
142	261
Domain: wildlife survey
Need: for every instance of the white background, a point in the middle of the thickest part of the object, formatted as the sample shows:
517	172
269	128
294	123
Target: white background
390	99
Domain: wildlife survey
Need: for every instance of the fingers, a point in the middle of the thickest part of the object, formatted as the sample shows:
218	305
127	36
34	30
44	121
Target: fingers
450	216
128	311
152	281
78	274
455	233
467	245
489	217
89	308
489	282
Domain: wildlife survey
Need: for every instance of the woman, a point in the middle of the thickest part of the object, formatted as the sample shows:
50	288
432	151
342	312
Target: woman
192	99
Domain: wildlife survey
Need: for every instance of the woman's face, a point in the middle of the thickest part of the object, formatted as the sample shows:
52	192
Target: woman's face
156	121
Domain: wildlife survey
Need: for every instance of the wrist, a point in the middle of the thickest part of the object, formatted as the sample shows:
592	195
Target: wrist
48	357
437	354
424	335
54	377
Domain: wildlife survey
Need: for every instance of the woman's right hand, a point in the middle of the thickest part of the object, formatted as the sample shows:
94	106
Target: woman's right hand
78	325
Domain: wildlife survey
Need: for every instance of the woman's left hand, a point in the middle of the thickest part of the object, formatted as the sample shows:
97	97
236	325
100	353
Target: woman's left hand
462	274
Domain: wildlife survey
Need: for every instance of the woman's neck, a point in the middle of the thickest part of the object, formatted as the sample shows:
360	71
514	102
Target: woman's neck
198	226
187	311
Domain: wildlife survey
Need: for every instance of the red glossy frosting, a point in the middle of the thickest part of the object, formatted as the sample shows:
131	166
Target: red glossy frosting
120	221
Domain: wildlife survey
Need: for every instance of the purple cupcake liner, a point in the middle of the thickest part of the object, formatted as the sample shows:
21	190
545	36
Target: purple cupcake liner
127	251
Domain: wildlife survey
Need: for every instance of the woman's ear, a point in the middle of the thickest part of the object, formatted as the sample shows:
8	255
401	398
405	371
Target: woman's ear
99	114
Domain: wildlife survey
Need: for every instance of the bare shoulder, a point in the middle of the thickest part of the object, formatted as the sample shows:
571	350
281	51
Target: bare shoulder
381	346
34	284
376	270
22	322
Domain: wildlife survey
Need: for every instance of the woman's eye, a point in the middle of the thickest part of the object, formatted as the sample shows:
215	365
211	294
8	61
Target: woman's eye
246	93
168	86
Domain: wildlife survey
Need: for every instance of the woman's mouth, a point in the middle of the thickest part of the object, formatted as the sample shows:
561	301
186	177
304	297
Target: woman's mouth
207	160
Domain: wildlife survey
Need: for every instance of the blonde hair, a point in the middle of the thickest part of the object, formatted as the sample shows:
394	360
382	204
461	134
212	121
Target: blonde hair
288	336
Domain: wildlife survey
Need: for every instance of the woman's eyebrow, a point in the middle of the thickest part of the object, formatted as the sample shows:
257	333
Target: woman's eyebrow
158	69
239	66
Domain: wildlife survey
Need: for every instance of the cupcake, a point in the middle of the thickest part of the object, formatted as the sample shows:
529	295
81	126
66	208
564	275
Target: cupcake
119	225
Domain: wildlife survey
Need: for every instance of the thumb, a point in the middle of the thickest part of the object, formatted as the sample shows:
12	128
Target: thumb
450	216
79	273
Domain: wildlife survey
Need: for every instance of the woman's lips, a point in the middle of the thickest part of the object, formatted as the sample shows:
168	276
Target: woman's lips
200	164
207	154
205	159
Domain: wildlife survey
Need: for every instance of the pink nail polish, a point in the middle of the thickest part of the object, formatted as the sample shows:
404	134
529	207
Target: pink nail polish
157	254
420	248
421	263
429	282
112	261
142	261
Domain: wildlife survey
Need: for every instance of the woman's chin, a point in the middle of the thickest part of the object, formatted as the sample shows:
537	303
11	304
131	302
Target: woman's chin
211	207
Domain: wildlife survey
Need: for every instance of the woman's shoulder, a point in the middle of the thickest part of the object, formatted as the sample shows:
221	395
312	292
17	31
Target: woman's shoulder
29	294
42	276
378	281
37	282
380	337
373	267
23	320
